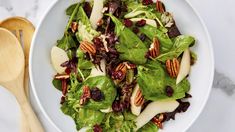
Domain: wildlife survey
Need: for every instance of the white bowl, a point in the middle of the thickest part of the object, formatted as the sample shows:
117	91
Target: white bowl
52	28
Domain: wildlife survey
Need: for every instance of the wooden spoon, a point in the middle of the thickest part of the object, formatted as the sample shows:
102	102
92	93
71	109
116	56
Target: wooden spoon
12	65
23	30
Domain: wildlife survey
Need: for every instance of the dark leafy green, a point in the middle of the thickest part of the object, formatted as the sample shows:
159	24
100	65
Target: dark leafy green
182	42
153	80
130	47
106	85
57	84
83	63
66	42
151	32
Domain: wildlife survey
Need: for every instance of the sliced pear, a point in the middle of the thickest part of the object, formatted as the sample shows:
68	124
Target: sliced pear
58	56
184	66
148	21
96	13
135	109
95	71
108	110
153	109
84	129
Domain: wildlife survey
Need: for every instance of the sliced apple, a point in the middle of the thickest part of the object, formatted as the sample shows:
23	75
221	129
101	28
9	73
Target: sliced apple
58	56
108	110
96	13
184	66
148	21
95	71
153	109
135	109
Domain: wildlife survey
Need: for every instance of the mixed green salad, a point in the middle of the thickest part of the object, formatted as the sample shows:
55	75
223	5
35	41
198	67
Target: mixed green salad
122	65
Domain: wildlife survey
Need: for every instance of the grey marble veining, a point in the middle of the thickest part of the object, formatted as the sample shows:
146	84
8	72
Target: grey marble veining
224	83
6	4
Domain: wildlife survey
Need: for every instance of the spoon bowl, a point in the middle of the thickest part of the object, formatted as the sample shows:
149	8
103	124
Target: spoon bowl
12	57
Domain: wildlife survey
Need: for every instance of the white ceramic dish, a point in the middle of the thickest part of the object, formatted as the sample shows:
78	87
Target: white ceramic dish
52	27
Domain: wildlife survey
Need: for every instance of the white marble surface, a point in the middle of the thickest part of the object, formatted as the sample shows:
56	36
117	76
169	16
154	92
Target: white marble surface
219	16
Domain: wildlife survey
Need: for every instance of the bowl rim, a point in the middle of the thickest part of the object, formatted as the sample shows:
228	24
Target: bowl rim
191	121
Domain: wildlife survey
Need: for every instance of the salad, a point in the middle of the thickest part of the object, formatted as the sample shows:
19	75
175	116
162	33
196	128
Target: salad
122	65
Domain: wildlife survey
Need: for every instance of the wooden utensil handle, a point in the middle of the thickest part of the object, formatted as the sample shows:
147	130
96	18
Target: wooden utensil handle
24	126
31	118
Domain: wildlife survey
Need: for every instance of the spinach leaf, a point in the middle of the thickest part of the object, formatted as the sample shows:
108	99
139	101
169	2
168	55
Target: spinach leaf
83	63
149	127
153	80
106	85
182	42
85	30
130	47
151	32
66	42
57	84
70	9
88	117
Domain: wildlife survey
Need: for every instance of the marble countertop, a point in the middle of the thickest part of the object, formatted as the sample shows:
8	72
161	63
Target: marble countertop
219	16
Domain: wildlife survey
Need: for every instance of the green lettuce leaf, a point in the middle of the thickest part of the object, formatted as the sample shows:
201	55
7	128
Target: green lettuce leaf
149	127
57	84
151	32
130	47
153	80
182	42
114	122
106	85
88	117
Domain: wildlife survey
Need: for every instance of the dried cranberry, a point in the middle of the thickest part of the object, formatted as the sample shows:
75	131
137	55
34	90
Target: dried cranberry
128	22
136	30
67	71
141	23
97	128
147	2
96	94
142	37
169	91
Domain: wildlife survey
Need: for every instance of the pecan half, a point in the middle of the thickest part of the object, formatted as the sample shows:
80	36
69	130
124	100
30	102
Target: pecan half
74	27
172	67
120	72
86	95
130	65
154	50
86	46
160	7
158	120
139	98
61	76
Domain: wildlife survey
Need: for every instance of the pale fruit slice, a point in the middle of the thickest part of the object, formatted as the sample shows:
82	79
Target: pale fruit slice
148	21
153	109
58	56
184	66
135	109
95	71
96	13
108	110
